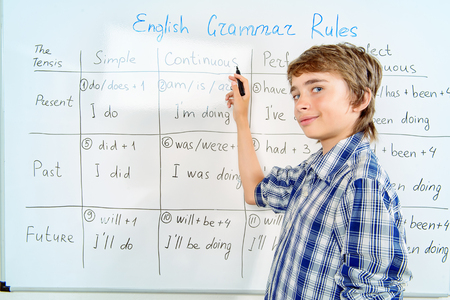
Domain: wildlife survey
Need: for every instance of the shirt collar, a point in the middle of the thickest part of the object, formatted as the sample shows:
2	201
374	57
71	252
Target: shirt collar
328	165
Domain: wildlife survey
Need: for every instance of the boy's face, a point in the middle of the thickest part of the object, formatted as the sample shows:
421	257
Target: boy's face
322	107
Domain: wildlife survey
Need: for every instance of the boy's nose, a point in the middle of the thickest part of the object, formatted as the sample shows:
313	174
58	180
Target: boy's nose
302	103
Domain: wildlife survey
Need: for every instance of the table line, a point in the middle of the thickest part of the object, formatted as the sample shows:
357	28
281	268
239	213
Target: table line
191	209
221	132
80	116
198	72
160	166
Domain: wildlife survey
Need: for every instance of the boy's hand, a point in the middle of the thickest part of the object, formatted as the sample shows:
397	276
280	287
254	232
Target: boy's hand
240	103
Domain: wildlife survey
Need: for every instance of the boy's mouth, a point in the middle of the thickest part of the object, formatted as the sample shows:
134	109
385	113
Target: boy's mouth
307	120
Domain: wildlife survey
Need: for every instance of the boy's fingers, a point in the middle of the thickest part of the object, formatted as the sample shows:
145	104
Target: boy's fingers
235	94
244	81
240	77
235	89
229	95
230	102
232	78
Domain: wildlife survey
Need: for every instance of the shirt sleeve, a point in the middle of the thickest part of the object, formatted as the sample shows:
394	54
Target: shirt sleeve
276	188
373	249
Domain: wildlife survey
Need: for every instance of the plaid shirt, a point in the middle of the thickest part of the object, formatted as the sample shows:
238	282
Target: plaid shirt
342	234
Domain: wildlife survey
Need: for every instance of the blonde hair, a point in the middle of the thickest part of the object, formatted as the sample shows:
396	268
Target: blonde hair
360	70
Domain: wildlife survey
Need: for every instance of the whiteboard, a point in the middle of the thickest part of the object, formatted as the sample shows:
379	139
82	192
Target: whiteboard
120	164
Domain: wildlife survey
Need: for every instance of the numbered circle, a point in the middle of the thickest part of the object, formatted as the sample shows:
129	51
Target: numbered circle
166	217
254	221
86	143
167	142
89	215
257	87
256	144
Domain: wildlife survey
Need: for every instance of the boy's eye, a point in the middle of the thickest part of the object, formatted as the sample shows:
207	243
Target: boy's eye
317	89
295	97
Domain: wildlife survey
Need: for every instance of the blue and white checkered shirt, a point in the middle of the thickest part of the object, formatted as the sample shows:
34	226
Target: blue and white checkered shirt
342	236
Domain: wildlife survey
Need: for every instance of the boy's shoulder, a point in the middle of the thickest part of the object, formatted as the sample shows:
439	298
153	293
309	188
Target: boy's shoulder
358	160
364	165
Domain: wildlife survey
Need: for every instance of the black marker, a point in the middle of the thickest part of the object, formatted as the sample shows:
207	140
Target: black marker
240	84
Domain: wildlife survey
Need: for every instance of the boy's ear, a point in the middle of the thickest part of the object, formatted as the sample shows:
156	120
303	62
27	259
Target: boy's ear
365	101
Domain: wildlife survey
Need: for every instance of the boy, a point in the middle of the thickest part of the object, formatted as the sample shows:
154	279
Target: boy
342	235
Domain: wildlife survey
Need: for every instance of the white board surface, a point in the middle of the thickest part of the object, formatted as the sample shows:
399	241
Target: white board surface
120	167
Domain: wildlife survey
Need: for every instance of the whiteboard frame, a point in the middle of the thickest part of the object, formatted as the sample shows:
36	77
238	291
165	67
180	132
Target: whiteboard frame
2	153
2	211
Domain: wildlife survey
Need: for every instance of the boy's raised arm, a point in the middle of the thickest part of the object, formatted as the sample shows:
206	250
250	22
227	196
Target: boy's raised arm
249	167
